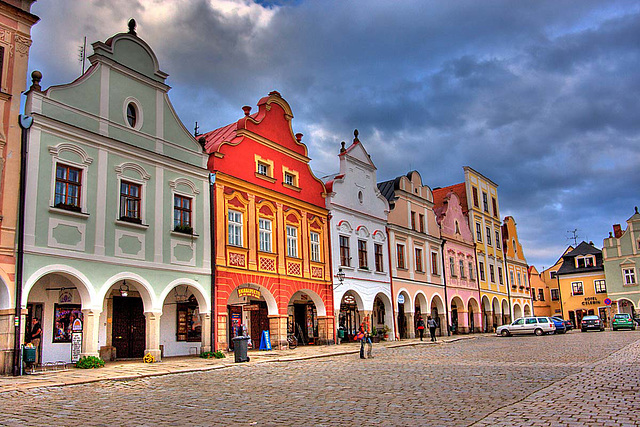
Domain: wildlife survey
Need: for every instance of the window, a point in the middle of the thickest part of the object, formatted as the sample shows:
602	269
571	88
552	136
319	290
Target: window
132	114
452	266
292	241
400	253
378	253
498	239
555	295
519	281
629	276
601	286
540	294
314	239
434	263
413	221
485	202
182	215
419	260
264	227
494	202
584	261
576	288
492	274
513	282
362	254
235	228
263	169
130	202
481	268
475	197
345	256
488	236
533	295
478	232
553	274
471	269
500	275
289	179
189	327
1	62
461	267
68	184
421	221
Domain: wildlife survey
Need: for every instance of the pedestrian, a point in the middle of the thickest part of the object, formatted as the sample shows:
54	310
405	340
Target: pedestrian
36	337
432	328
365	334
420	327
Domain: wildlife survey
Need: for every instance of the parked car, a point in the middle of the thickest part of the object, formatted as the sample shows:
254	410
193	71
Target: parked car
637	319
623	321
561	326
592	322
528	325
567	324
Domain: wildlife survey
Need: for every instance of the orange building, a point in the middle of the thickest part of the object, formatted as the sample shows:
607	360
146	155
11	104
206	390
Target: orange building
540	294
272	257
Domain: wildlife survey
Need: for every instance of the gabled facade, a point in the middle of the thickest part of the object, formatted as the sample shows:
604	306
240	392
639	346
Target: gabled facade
16	21
582	285
549	277
272	257
621	252
540	294
458	254
359	243
517	270
117	213
415	247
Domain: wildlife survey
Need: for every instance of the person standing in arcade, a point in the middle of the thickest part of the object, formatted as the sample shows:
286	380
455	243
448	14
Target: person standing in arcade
36	337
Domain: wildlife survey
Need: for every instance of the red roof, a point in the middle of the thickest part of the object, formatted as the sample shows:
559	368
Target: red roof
440	195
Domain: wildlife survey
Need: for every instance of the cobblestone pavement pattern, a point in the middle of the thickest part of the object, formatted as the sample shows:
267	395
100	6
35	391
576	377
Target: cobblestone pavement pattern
575	379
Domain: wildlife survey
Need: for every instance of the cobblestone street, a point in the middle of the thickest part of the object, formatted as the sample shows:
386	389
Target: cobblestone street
570	380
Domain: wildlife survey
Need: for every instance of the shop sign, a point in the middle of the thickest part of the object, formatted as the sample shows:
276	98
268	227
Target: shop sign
591	301
65	297
251	307
400	299
76	346
249	292
77	325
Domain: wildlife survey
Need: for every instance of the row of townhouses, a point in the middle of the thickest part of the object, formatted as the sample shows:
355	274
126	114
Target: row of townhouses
149	240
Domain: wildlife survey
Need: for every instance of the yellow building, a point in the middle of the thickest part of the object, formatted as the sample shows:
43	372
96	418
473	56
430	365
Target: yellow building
582	286
517	270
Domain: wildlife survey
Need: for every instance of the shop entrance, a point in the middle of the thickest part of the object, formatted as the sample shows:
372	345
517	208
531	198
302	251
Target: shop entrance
259	321
129	327
303	319
402	322
34	310
454	318
349	319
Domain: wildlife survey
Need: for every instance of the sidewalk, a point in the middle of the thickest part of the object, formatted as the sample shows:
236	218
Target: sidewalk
129	370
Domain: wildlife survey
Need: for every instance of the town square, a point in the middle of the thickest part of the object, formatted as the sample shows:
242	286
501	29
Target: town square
274	212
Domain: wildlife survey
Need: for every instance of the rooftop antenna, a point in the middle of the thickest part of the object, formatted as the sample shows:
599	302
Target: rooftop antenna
82	53
196	129
573	236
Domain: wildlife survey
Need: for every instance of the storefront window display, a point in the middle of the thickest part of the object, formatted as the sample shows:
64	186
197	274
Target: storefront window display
189	325
64	316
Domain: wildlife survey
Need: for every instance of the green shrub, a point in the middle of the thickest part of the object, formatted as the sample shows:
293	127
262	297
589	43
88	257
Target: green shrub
212	354
90	362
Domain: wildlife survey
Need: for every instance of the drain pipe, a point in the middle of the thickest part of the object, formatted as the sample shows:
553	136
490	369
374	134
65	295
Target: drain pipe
212	232
446	298
393	304
25	124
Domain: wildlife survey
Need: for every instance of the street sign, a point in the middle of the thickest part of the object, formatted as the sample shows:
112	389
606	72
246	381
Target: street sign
607	301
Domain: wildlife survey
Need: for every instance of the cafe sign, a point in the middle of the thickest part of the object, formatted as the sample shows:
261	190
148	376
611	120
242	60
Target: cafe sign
591	301
249	292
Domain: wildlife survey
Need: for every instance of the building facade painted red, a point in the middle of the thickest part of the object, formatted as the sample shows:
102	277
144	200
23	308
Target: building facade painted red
272	257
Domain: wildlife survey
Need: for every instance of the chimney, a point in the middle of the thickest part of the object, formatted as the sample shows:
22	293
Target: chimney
617	231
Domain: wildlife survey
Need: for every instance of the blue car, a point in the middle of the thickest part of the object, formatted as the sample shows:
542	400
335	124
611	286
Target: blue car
560	325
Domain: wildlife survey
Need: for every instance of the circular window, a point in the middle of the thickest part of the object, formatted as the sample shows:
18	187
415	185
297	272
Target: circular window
132	114
360	197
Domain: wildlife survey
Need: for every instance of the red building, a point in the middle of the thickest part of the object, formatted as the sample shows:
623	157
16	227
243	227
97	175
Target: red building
272	260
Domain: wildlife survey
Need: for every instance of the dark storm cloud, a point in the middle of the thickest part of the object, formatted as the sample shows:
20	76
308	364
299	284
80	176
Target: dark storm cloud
542	97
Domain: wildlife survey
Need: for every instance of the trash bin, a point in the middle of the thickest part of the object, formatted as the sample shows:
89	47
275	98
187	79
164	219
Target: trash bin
341	333
240	349
29	354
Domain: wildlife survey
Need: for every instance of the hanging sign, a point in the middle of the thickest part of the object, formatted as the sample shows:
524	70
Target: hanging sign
251	307
249	292
400	299
76	346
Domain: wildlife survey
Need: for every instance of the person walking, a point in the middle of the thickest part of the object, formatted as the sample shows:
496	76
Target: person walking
365	338
420	325
432	328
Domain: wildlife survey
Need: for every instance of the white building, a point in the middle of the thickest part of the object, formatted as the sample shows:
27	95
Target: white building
359	244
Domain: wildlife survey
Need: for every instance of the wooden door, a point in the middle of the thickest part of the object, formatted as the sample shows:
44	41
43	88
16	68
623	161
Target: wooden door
129	328
259	323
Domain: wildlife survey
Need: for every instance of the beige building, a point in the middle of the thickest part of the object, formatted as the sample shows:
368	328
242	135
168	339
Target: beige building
517	270
15	39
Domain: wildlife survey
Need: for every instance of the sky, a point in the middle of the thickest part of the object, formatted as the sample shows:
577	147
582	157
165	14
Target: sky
542	97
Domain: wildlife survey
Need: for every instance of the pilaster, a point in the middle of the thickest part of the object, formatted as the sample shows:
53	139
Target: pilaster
90	328
152	338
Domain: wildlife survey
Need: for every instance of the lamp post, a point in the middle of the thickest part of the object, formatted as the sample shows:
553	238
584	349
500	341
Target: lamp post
340	276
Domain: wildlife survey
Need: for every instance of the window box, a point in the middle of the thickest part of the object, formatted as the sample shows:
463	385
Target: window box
68	207
184	229
130	219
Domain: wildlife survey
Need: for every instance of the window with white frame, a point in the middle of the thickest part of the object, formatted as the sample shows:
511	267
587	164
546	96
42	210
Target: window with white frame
519	281
629	276
379	257
130	198
362	254
345	256
577	288
585	261
182	214
434	263
292	241
485	202
498	239
511	280
492	273
264	226
263	169
289	179
400	255
68	187
471	270
500	280
419	260
235	227
489	236
481	269
314	239
600	286
478	232
452	266
555	295
461	267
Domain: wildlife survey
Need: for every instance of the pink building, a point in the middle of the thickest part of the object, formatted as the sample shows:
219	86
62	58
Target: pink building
458	255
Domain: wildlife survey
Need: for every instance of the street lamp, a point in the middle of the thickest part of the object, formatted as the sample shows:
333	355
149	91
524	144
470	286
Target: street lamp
340	276
124	289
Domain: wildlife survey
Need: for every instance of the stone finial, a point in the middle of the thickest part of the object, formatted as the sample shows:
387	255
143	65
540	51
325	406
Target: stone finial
342	149
355	135
636	209
610	235
132	26
299	136
36	77
246	109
